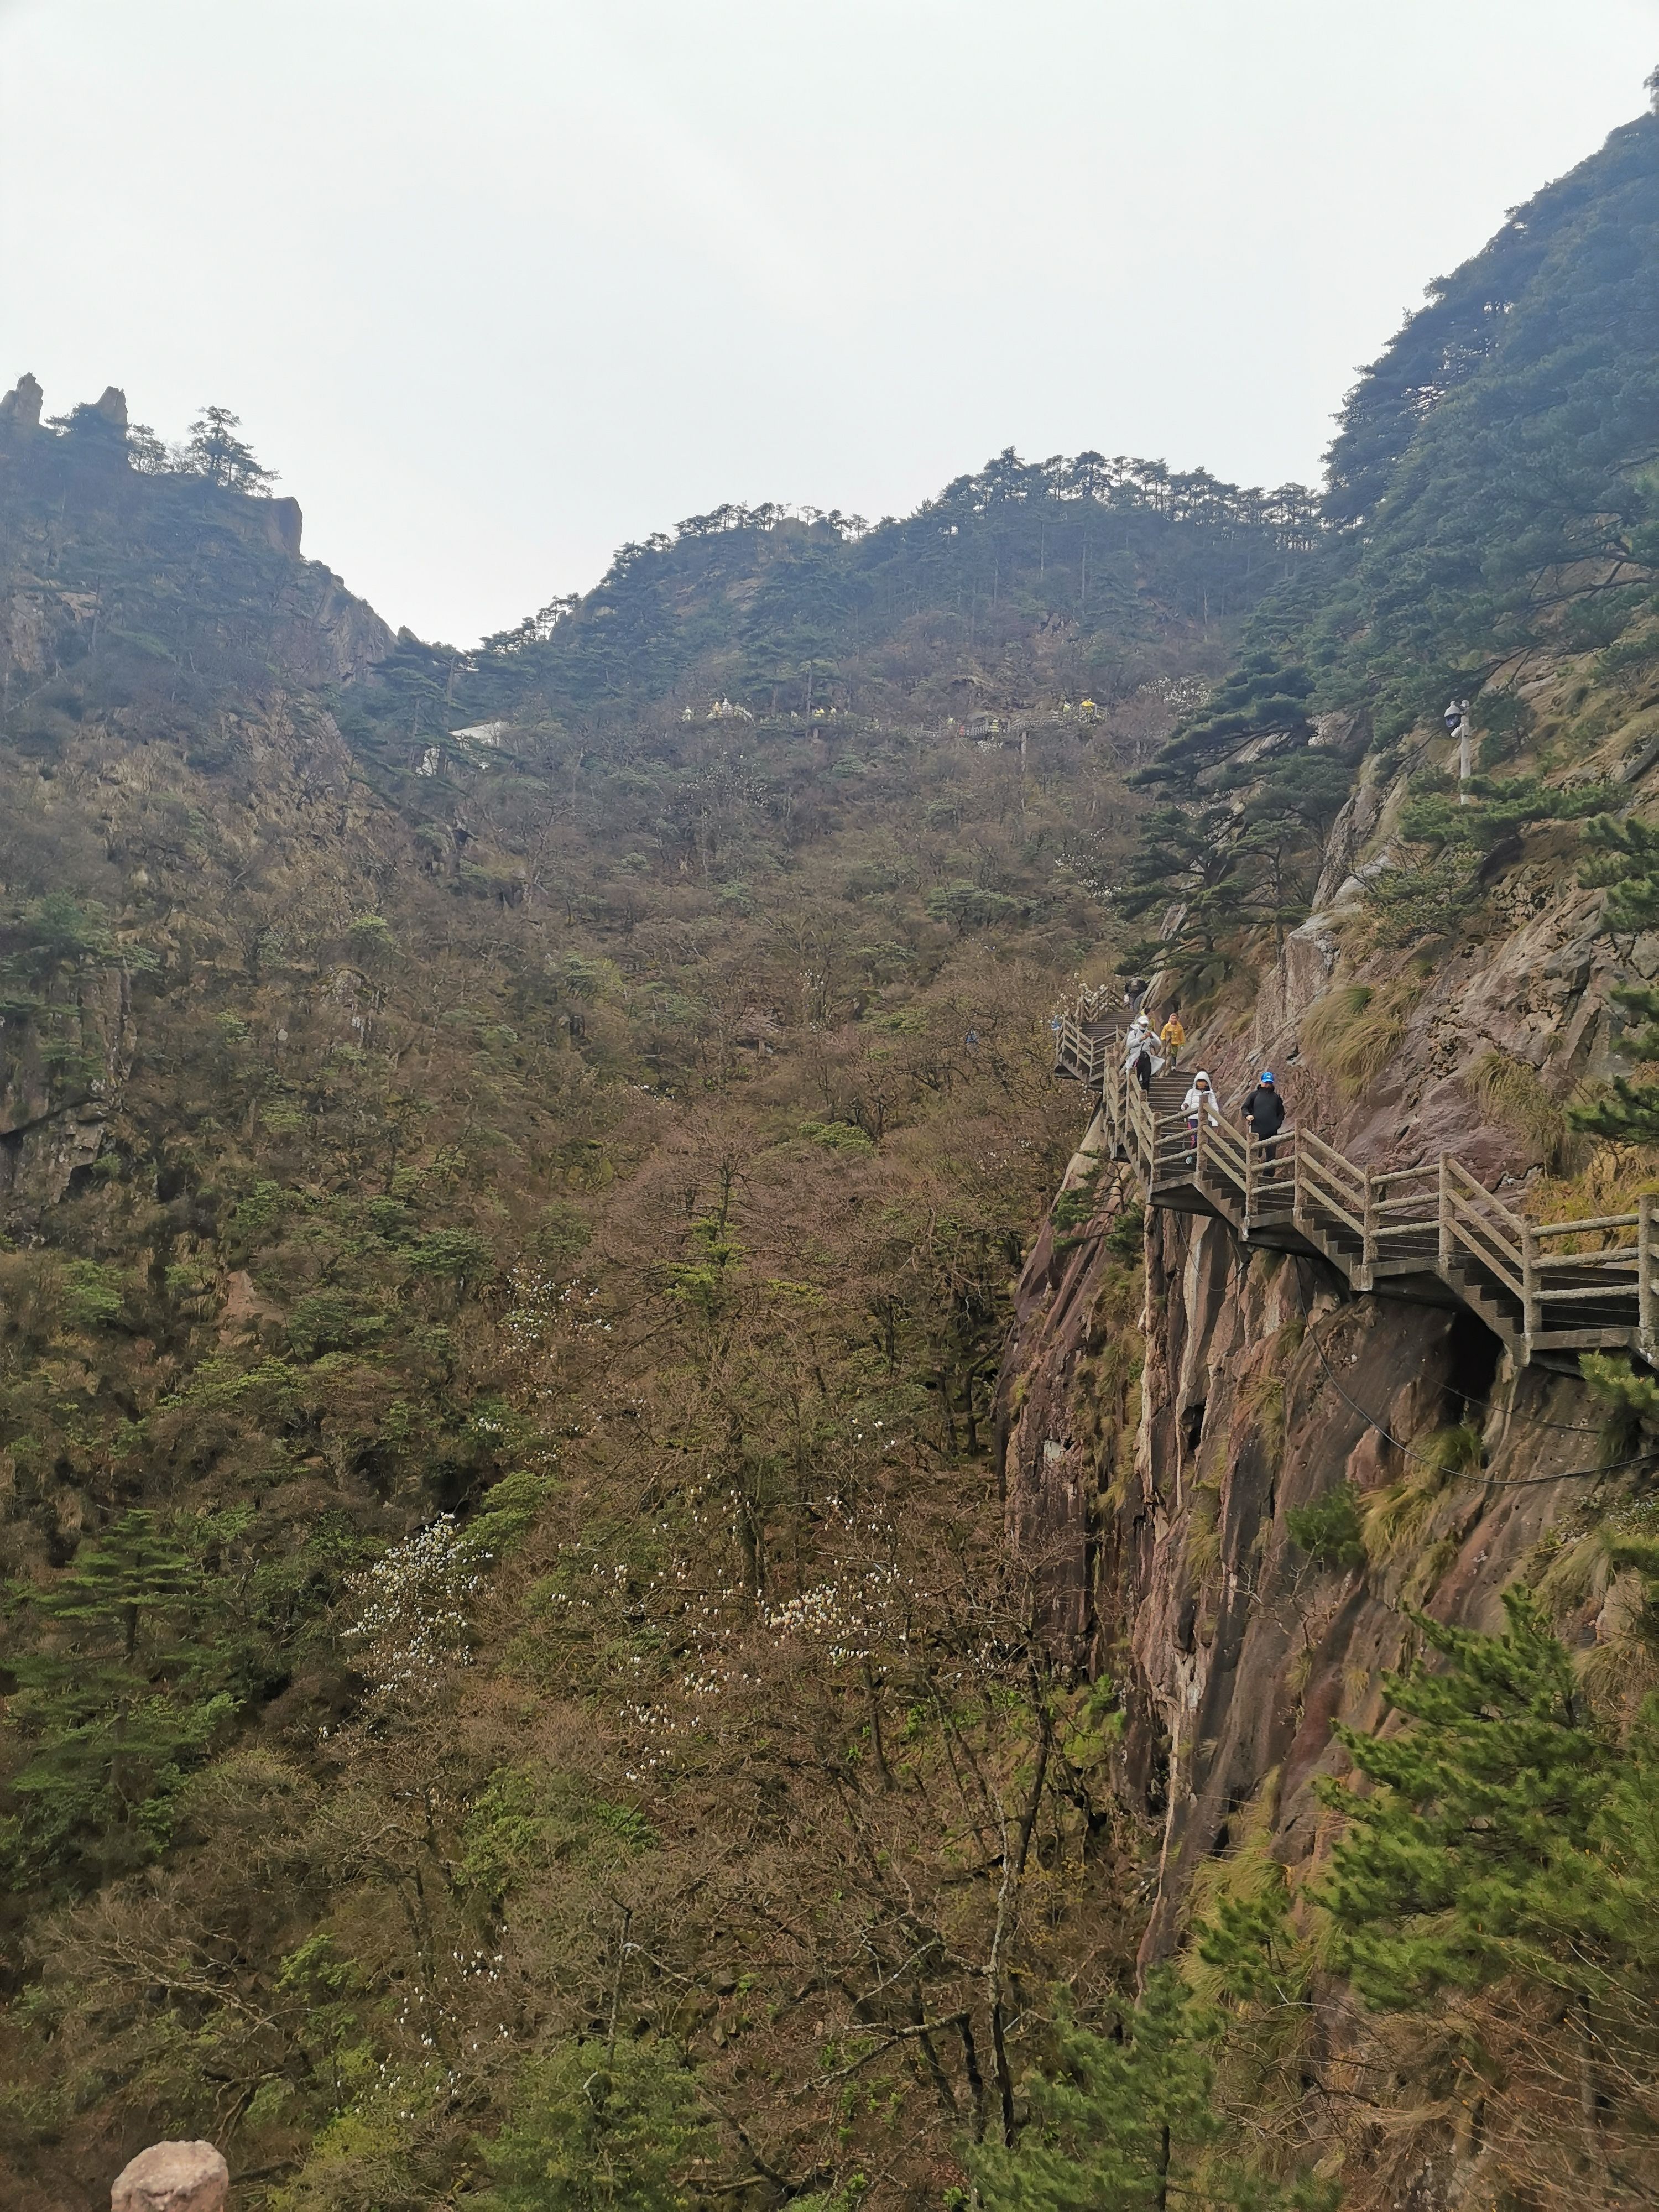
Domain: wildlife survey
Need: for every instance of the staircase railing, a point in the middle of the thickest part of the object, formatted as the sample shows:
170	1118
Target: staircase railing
1224	1164
1473	1223
1080	1053
1330	1190
1403	1221
1544	1286
1172	1154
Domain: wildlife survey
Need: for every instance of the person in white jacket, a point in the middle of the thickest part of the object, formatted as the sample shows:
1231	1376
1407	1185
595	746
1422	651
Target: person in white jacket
1141	1056
1199	1103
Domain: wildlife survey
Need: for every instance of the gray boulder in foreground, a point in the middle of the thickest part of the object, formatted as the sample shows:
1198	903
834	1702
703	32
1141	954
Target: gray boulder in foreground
171	2177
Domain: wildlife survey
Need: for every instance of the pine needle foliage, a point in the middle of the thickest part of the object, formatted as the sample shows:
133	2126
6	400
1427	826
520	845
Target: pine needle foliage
598	2126
1328	1529
1499	1869
1129	2123
122	1694
1475	1850
1625	860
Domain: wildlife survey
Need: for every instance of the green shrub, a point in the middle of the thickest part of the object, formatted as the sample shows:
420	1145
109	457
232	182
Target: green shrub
837	1136
92	1293
971	906
1072	1208
1127	1236
1328	1529
597	2127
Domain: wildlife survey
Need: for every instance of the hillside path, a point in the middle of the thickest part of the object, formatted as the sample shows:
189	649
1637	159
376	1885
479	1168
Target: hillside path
1432	1234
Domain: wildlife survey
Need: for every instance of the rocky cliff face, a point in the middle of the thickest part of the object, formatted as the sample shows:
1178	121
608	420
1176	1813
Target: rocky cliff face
160	778
51	1118
1158	1517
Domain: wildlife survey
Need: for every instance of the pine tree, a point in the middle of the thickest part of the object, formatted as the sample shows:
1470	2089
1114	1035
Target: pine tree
1511	1844
1451	1870
1627	861
118	1698
599	2127
216	452
1129	2125
122	1579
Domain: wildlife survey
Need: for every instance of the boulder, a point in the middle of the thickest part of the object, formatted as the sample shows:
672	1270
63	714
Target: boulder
171	2177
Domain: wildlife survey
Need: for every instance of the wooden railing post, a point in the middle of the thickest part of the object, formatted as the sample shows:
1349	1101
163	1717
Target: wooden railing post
1297	1211
1529	1283
1645	1299
1443	1214
1367	1233
1250	1180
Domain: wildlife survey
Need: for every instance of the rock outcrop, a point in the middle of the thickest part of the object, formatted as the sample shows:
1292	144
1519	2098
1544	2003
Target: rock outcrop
52	1122
172	2177
19	408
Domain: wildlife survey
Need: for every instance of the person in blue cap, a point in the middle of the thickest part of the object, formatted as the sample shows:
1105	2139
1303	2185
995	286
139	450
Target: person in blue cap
1264	1111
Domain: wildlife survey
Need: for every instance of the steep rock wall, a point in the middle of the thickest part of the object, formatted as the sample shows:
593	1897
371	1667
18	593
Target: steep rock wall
1265	1387
1265	1384
185	795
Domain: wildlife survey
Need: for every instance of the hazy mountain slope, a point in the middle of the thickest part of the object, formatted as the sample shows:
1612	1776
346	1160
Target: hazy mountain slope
1492	507
521	1660
618	1132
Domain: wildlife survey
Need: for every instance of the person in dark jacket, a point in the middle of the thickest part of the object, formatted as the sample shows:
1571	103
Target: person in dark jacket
1264	1112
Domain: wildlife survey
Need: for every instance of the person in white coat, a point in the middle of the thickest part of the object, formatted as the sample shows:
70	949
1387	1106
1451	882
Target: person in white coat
1199	1103
1141	1057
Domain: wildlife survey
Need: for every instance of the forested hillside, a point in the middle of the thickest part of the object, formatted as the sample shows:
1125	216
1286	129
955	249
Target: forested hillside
1492	509
516	1166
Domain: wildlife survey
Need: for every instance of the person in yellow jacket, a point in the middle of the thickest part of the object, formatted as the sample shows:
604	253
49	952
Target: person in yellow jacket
1172	1037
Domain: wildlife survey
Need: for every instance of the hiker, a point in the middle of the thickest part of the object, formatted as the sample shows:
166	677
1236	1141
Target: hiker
1200	1101
1172	1037
1264	1111
1132	997
1140	1044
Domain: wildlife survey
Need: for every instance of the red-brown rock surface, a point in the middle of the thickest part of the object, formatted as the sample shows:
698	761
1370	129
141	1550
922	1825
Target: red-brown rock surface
1265	1383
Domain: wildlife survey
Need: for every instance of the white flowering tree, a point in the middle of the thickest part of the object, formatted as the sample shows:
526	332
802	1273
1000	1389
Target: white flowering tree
413	1624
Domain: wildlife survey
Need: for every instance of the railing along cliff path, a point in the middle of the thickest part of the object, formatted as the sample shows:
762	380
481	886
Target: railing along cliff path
1432	1234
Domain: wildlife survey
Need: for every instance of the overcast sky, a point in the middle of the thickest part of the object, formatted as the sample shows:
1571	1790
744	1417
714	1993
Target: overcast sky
500	284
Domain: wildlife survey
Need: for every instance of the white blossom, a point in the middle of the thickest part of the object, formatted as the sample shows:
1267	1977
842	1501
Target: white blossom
412	1621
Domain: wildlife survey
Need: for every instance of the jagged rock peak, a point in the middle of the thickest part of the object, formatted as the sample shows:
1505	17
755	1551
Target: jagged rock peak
21	405
171	2177
113	406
